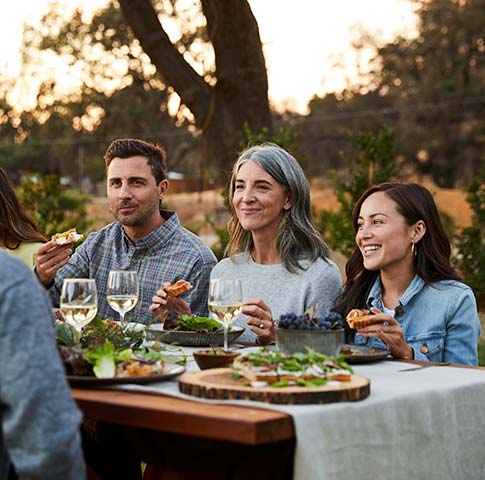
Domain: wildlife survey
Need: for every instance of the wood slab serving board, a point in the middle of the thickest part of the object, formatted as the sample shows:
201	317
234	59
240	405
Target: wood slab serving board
217	384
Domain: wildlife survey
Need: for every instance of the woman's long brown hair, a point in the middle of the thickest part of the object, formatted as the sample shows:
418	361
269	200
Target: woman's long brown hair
16	225
414	202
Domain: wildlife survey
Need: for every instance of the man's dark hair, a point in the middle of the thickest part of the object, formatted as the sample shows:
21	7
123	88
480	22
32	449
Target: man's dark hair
131	147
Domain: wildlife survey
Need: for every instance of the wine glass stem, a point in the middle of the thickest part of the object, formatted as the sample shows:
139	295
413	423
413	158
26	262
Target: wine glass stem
79	330
225	337
122	318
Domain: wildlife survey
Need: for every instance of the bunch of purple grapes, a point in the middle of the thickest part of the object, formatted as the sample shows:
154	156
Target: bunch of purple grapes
292	321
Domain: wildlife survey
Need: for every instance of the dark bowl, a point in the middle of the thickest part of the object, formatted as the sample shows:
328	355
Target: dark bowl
192	339
327	342
214	359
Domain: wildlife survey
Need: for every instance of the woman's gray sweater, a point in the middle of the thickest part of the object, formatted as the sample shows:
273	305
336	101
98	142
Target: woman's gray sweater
282	291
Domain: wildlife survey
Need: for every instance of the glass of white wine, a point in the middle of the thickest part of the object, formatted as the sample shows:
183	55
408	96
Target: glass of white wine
79	301
225	301
123	291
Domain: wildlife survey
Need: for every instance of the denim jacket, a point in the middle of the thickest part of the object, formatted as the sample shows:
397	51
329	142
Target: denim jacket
439	320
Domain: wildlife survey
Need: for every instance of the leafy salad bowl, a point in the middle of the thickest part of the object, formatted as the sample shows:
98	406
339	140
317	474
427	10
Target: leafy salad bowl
193	331
197	338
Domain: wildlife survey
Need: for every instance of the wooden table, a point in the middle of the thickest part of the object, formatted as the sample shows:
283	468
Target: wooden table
197	440
220	441
231	423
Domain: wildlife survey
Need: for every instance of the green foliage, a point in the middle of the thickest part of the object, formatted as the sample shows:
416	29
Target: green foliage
286	137
470	244
440	73
54	208
374	162
428	87
481	353
222	235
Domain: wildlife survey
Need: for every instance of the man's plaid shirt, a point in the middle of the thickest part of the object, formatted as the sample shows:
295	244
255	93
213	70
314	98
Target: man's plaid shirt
167	254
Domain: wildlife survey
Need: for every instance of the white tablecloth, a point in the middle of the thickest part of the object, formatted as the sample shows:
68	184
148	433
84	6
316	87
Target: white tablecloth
423	424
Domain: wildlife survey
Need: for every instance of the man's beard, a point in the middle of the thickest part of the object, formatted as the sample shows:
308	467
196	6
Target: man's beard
138	217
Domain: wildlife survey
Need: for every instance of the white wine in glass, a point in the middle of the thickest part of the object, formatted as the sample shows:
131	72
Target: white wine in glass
225	301
79	301
123	291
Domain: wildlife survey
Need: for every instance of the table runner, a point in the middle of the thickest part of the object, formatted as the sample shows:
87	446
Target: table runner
426	423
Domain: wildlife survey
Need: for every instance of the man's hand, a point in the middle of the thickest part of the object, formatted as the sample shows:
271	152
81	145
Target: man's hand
163	303
49	258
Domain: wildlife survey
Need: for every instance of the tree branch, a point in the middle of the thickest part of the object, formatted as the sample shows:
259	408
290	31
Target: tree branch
194	92
240	63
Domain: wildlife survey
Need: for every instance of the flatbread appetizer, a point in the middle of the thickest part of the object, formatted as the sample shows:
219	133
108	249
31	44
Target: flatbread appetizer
178	288
275	367
69	236
360	318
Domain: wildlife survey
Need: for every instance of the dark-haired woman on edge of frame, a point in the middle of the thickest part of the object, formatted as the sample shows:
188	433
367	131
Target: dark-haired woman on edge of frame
400	269
19	234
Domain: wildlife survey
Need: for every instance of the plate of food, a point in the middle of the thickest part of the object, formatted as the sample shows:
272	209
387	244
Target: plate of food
107	353
363	354
193	331
170	371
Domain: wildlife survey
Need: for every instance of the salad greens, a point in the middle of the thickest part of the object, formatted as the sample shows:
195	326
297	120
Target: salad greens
104	345
194	322
103	360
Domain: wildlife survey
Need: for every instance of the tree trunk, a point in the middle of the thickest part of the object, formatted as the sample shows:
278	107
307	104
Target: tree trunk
240	94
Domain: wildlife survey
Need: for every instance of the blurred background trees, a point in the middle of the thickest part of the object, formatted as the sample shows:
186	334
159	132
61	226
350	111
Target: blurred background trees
430	89
202	92
194	91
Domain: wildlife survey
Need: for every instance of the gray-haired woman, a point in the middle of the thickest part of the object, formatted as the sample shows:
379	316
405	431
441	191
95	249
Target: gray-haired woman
273	246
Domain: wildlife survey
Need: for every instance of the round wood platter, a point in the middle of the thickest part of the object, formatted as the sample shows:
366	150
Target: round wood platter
217	384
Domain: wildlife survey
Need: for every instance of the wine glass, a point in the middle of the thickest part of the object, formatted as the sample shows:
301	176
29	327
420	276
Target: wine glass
225	301
123	290
79	301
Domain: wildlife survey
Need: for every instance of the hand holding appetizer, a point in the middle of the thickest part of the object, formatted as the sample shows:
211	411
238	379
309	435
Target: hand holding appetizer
69	236
168	298
360	318
178	288
53	255
375	323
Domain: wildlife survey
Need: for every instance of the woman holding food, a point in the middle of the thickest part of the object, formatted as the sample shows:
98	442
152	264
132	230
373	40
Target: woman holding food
19	234
274	247
400	269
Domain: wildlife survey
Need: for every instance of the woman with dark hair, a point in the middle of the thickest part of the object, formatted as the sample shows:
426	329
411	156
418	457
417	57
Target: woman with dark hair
19	234
400	269
274	247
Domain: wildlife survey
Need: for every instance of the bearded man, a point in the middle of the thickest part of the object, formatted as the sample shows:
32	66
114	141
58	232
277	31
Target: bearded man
143	238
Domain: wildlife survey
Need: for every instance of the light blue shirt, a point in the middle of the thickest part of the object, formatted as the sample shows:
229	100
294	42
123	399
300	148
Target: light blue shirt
439	320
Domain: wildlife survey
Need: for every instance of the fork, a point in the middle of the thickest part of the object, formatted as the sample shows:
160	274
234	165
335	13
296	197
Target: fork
420	367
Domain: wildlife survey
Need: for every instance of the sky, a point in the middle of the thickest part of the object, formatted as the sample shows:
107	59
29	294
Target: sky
301	39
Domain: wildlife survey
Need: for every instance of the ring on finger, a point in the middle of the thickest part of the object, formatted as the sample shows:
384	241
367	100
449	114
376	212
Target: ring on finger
261	325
